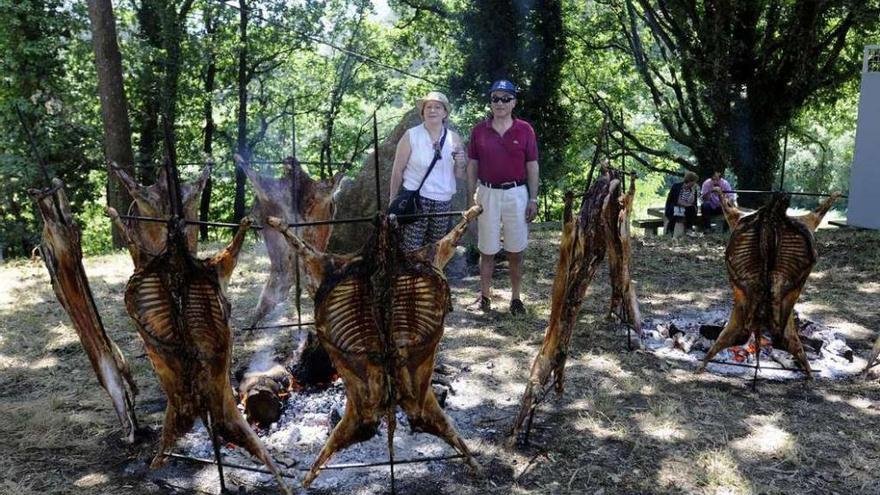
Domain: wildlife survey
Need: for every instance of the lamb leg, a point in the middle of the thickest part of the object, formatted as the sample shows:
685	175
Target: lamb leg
814	218
428	417
352	428
231	426
731	333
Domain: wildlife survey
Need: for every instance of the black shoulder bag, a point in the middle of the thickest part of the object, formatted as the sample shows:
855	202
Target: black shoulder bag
410	202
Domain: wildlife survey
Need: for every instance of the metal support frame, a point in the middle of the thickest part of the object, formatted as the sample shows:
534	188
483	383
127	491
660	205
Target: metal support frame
755	191
535	404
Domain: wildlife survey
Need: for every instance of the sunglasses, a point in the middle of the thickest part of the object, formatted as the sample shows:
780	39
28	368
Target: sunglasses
502	99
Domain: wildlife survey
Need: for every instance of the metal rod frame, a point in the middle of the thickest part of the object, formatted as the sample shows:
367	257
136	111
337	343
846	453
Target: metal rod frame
352	465
772	368
300	224
755	191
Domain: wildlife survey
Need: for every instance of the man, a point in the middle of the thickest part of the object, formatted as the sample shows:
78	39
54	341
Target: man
503	169
711	206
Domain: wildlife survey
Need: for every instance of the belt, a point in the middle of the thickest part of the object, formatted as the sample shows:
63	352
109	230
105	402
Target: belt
504	185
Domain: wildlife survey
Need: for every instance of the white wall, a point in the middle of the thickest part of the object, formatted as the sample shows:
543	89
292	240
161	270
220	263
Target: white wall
864	189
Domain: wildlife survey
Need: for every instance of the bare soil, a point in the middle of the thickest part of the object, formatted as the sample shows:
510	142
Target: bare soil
628	422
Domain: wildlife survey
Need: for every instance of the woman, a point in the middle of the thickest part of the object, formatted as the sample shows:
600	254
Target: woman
681	203
415	151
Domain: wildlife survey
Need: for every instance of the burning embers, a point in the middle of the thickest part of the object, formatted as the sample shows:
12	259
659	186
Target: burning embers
603	224
687	338
769	257
380	314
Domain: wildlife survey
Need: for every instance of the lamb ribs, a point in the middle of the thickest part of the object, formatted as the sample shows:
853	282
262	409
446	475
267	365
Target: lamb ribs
602	226
769	257
179	306
380	313
62	252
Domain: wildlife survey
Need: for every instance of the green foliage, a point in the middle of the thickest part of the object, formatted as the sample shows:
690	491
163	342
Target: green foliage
329	64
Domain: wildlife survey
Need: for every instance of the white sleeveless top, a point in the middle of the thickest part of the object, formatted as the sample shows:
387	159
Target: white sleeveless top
440	185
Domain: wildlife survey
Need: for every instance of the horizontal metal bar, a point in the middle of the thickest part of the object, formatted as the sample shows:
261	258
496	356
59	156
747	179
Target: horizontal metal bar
755	191
255	226
432	215
228	465
300	224
417	460
284	325
353	465
770	368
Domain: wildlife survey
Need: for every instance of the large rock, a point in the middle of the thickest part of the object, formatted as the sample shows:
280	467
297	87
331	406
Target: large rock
357	197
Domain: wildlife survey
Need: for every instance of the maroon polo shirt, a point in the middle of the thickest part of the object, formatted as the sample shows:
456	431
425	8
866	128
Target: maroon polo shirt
503	158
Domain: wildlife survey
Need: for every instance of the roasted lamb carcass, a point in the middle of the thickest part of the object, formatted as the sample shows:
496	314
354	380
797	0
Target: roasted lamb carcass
583	245
769	257
616	214
153	201
62	253
181	312
379	314
294	198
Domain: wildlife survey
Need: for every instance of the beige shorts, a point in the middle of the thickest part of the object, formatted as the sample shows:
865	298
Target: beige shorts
503	220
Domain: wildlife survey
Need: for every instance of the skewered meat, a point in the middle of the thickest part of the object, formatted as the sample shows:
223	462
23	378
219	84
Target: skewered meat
180	309
294	198
152	201
62	253
379	313
769	258
617	232
584	243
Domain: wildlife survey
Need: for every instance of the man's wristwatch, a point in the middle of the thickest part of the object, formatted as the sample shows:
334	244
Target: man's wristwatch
533	200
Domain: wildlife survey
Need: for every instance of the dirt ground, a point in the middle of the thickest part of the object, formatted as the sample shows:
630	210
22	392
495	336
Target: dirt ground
628	422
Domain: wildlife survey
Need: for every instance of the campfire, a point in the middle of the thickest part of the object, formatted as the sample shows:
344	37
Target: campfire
687	338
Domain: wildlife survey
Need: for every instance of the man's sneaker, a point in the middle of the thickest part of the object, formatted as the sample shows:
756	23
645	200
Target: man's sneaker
517	308
482	303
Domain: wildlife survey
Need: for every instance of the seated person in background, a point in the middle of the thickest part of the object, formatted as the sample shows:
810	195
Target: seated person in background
711	206
681	203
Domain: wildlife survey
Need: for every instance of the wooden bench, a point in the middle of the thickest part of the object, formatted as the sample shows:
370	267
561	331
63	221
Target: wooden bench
649	224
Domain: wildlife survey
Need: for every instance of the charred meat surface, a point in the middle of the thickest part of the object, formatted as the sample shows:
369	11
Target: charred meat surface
294	198
380	315
616	212
181	312
601	226
62	253
153	201
769	257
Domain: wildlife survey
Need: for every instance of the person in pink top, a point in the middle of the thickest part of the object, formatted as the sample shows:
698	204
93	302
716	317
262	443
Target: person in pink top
711	206
503	170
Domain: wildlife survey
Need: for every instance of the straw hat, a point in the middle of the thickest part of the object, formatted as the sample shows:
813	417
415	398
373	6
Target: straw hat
433	96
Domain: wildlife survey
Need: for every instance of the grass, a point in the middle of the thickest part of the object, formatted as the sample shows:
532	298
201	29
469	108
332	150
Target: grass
627	422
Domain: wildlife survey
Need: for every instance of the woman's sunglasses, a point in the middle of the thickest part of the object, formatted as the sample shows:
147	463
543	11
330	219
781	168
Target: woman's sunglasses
502	99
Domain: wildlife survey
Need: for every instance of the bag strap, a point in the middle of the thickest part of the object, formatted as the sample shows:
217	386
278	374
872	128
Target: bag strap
434	161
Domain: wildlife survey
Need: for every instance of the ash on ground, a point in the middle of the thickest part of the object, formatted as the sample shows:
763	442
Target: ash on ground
307	419
687	338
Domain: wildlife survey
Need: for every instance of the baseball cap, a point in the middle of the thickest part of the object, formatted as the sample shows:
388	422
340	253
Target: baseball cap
503	85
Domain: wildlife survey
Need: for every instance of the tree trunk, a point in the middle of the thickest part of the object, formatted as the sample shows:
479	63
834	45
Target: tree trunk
208	147
754	141
114	107
243	78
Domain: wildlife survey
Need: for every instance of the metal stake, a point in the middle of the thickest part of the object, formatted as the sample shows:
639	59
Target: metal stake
216	443
376	161
784	157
